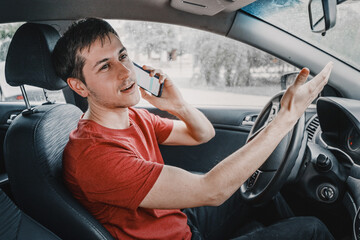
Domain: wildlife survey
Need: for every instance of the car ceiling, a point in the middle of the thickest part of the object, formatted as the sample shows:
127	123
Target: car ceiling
154	10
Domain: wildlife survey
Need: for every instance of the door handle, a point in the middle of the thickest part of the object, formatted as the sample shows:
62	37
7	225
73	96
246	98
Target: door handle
249	120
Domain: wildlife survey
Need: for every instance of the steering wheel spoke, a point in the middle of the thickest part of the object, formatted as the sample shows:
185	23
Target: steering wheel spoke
275	107
254	187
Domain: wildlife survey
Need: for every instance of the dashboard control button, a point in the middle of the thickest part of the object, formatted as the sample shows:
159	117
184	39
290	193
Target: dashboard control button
323	163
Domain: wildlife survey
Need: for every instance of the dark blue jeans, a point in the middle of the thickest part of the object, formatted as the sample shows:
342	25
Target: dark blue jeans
230	221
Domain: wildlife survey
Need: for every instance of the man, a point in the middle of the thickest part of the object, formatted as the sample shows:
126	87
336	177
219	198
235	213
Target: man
112	163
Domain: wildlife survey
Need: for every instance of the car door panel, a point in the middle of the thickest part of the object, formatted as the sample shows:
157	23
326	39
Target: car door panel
231	134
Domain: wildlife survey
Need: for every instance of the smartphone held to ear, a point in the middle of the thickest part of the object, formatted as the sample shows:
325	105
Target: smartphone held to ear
150	84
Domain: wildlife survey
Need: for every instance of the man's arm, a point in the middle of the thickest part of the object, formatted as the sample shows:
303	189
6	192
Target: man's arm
177	188
194	128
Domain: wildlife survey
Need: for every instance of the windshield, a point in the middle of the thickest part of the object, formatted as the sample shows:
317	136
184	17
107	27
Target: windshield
342	41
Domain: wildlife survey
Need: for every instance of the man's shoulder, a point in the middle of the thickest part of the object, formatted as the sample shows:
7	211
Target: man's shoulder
84	143
89	134
85	129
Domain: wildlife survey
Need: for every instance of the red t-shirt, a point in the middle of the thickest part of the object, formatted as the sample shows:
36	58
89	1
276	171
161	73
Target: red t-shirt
110	172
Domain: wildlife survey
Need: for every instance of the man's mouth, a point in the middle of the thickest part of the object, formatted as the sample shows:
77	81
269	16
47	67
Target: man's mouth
127	88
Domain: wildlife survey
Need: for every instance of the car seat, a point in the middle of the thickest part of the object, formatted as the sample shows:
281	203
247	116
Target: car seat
35	140
14	224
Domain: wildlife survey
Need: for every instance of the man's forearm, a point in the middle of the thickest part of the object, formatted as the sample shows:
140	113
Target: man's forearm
199	127
226	177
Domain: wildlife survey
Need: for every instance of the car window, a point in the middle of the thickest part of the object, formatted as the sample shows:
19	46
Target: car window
336	41
208	68
13	94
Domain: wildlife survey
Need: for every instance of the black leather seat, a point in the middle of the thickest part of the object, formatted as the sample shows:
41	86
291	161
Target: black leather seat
35	141
14	224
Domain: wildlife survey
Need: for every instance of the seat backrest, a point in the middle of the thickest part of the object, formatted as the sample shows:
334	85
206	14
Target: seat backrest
35	141
14	224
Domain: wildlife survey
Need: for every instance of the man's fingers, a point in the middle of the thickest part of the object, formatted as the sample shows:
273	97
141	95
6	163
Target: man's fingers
319	87
156	72
319	81
301	78
144	94
162	78
147	68
323	77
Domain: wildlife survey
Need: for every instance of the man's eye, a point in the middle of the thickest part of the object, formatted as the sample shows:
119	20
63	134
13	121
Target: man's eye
123	56
105	66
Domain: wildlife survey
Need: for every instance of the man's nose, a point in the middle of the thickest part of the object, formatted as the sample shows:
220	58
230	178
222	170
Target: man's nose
124	72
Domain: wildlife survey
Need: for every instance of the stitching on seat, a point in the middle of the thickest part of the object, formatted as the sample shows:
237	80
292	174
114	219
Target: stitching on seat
18	228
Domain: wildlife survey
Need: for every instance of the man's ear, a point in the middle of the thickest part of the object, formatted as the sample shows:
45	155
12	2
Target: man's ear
78	86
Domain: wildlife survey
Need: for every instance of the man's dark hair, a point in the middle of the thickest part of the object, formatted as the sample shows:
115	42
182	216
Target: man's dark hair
66	56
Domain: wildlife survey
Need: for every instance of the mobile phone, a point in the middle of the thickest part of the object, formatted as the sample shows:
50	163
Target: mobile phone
150	84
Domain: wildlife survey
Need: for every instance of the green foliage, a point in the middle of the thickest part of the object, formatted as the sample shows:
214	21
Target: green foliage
3	50
151	37
225	62
7	31
218	61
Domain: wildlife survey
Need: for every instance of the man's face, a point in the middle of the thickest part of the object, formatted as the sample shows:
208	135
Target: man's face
109	74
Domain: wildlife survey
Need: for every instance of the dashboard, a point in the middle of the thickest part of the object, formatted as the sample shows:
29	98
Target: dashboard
338	137
340	124
353	140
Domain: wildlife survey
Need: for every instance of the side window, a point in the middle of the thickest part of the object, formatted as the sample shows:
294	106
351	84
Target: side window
13	94
209	69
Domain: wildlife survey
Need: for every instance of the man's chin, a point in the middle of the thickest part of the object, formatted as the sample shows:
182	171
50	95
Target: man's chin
134	101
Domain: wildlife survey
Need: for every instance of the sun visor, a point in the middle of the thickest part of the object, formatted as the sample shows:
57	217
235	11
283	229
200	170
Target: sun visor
209	7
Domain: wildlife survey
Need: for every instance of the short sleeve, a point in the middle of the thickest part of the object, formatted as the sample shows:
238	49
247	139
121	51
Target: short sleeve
114	175
162	127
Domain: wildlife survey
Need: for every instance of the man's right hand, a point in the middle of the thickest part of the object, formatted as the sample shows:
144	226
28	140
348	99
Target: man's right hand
300	94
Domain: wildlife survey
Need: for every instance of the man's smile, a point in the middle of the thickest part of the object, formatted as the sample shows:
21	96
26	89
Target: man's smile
128	88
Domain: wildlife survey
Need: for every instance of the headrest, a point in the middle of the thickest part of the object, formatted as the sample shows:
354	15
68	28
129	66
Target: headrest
29	57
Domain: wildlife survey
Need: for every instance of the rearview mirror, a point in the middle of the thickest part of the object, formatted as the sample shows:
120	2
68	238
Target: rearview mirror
322	15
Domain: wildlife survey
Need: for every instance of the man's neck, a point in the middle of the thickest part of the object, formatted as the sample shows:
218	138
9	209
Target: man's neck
111	118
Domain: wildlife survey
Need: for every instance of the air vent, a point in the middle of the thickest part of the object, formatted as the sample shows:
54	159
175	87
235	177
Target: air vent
312	127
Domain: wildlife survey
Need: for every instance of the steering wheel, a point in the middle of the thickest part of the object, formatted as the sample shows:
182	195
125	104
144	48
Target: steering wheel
271	176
